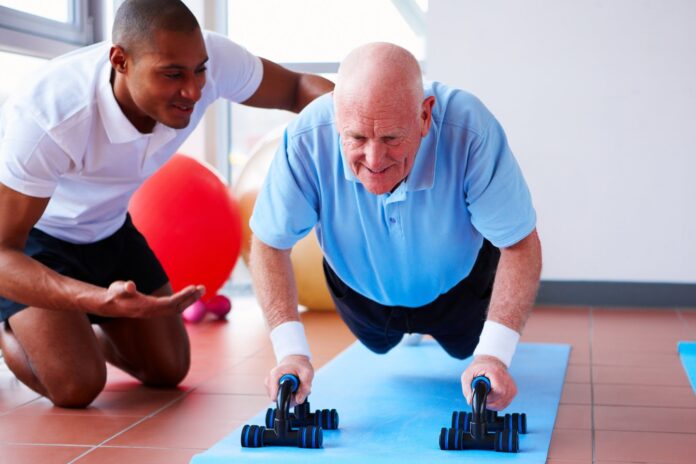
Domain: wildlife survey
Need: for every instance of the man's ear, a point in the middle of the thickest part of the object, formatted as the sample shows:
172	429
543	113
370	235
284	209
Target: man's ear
426	115
117	57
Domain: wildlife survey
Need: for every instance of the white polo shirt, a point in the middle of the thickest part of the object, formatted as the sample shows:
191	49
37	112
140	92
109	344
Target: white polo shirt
64	136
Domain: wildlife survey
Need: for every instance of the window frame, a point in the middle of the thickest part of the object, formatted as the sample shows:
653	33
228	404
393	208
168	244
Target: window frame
29	34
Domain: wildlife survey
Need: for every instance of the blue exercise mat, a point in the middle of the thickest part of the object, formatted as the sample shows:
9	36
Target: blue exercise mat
391	408
687	353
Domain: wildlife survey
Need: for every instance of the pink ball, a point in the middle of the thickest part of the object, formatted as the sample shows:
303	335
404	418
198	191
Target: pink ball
219	305
195	312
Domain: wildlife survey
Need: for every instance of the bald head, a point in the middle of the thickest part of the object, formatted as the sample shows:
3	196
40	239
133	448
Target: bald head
379	72
136	22
381	115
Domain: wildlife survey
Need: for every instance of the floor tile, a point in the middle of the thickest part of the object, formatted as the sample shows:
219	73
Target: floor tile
672	376
645	447
571	445
13	393
660	345
689	318
214	407
578	374
13	399
35	454
117	455
574	416
651	331
57	429
610	356
256	365
177	432
645	419
576	393
564	461
644	395
234	383
136	402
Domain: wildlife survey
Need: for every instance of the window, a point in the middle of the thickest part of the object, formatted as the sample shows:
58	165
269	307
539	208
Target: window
320	31
45	28
57	10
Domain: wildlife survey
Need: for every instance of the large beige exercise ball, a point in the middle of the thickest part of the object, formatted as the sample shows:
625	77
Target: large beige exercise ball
306	255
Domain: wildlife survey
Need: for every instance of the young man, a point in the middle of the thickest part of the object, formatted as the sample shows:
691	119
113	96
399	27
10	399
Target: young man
74	146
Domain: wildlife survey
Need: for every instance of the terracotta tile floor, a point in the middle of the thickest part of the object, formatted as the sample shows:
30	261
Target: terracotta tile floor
626	397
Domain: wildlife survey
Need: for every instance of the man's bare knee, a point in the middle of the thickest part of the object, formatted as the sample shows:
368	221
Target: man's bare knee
76	393
166	373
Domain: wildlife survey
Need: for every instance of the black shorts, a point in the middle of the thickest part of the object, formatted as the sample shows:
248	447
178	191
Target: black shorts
454	319
125	255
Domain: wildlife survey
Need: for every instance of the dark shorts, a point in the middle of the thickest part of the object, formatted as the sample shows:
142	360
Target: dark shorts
454	319
125	255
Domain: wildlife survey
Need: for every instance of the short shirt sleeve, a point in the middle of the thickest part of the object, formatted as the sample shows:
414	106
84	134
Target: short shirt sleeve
236	73
496	193
30	161
286	207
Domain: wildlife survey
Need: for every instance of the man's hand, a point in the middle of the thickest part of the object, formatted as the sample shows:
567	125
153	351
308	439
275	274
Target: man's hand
123	300
294	364
503	388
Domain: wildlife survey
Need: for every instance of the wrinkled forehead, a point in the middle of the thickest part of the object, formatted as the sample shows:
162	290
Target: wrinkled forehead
372	109
377	120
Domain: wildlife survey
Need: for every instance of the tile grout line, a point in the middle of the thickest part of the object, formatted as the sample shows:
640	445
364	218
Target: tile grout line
592	405
19	406
151	415
134	424
60	445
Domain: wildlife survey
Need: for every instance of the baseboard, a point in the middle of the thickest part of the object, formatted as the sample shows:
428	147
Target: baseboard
648	294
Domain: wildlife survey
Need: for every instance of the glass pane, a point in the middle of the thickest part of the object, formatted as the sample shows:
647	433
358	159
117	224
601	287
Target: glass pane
318	30
57	10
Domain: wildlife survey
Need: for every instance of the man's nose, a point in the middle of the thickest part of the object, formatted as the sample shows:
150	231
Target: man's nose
374	154
191	89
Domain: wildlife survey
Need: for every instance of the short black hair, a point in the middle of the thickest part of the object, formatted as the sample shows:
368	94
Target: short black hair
137	20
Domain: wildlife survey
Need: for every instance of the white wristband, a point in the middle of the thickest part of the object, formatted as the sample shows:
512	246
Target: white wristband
289	338
497	340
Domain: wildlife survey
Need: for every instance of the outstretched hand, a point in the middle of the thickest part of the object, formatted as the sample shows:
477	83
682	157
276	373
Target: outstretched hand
503	388
293	364
122	299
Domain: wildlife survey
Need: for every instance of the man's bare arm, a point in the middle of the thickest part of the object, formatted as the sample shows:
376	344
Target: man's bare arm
27	281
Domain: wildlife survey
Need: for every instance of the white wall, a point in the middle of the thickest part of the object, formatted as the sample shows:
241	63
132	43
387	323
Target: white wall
598	99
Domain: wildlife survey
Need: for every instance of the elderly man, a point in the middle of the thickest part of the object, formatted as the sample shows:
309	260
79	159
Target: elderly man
75	143
417	201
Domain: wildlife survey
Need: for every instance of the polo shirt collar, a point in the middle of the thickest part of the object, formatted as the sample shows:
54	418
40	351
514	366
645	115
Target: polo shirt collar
422	174
117	126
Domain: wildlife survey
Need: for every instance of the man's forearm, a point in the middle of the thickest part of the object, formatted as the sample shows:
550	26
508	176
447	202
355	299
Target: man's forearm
274	283
26	281
516	283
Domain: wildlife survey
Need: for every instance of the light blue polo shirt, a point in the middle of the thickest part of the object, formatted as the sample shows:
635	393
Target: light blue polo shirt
407	247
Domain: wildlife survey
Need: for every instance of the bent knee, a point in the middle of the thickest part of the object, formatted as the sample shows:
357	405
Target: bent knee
458	350
75	394
166	374
379	348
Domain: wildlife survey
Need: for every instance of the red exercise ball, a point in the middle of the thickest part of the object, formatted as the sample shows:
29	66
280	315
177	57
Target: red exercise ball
192	223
